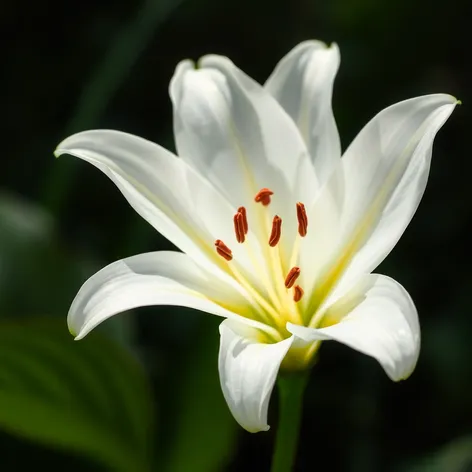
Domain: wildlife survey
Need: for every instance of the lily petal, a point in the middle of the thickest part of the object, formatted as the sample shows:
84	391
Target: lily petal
302	83
156	278
162	188
376	317
233	131
375	191
385	173
248	370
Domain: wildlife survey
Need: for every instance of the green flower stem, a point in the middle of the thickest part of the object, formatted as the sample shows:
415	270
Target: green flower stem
291	388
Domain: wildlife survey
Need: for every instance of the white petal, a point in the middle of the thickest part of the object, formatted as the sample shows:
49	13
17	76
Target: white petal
385	173
156	278
378	318
248	370
162	188
302	83
235	132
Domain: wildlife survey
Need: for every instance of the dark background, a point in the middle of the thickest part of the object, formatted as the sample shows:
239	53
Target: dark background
70	66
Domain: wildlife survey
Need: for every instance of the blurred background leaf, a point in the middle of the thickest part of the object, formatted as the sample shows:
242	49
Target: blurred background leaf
455	457
35	268
123	52
204	430
90	397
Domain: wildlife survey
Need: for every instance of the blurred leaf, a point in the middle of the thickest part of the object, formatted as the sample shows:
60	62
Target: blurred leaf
125	49
23	228
32	259
21	222
455	457
90	397
205	430
31	256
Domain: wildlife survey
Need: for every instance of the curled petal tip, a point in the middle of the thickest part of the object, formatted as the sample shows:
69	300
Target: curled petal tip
454	100
77	335
405	376
187	64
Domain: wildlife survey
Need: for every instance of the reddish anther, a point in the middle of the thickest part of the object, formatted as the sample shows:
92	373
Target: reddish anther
223	250
276	231
263	196
302	219
242	210
239	227
297	293
292	277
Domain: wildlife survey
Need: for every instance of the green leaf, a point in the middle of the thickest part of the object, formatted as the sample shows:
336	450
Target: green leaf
455	457
89	397
32	257
205	430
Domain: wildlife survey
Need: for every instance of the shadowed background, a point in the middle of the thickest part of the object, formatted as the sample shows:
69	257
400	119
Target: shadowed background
143	394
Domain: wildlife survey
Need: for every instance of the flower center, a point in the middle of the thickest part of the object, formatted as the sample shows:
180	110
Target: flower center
280	301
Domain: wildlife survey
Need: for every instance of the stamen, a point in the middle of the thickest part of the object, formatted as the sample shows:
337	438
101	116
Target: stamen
242	210
276	231
239	227
302	219
223	250
292	277
263	196
297	293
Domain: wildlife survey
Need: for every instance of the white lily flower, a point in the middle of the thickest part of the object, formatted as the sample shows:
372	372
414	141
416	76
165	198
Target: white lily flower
279	233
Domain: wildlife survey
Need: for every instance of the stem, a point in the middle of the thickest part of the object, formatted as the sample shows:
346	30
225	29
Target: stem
291	388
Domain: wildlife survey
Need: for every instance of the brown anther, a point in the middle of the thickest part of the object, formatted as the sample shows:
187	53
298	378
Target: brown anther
263	196
276	231
297	293
302	219
223	250
239	227
292	277
242	210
